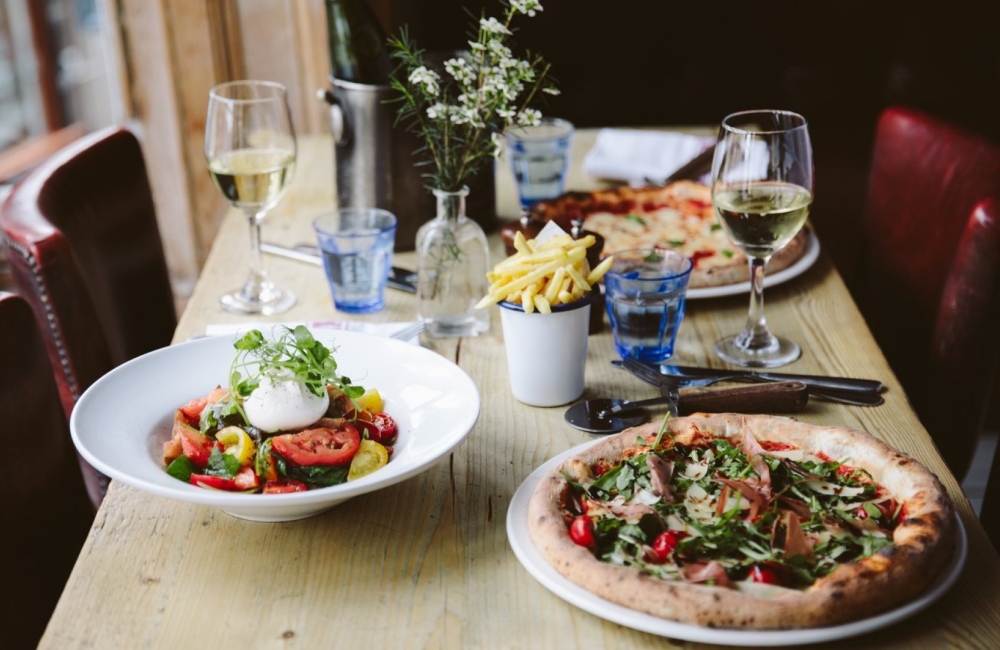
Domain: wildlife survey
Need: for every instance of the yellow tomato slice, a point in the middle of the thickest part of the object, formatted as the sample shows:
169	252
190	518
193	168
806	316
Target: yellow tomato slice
371	401
238	443
370	457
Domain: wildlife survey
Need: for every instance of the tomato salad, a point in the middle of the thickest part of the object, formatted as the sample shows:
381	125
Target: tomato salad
287	423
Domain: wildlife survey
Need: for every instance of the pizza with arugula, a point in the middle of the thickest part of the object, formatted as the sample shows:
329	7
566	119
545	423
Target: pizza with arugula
742	521
678	216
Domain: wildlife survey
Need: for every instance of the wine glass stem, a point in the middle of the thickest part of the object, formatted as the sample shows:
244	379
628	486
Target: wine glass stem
756	333
255	283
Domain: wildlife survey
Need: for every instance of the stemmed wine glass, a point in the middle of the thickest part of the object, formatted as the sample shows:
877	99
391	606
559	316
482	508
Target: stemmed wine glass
250	148
762	186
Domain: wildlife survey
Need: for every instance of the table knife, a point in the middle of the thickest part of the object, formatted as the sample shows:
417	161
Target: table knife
401	279
817	381
776	397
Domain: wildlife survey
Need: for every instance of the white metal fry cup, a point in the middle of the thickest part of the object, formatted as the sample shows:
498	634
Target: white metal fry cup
546	353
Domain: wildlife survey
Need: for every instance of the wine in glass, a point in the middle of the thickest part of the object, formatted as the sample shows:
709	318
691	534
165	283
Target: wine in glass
250	148
762	184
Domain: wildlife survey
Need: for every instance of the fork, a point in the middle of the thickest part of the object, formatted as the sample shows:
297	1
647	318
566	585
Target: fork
658	379
408	332
654	377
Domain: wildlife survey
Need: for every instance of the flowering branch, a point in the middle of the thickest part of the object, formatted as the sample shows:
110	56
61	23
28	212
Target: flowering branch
461	111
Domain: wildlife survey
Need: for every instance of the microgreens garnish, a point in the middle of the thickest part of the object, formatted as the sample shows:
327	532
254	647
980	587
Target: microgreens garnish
295	355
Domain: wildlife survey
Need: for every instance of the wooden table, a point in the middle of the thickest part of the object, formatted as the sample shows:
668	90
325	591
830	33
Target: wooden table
426	563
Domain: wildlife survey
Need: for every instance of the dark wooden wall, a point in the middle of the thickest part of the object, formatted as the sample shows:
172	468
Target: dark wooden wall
665	62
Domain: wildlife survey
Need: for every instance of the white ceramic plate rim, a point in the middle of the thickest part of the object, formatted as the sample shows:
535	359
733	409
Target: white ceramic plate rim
541	570
460	423
809	257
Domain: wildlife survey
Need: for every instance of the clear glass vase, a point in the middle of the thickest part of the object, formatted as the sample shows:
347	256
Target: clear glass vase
452	260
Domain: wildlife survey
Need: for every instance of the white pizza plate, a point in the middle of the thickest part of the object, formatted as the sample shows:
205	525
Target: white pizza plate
809	257
121	422
541	570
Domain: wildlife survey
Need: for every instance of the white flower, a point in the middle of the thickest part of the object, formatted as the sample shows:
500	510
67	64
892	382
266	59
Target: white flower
493	26
437	110
499	49
528	7
497	140
506	113
427	78
529	117
476	46
550	90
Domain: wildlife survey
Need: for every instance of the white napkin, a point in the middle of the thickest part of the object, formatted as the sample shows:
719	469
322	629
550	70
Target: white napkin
317	327
635	156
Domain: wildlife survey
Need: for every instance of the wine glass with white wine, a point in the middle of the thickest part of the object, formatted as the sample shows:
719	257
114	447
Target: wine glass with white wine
762	187
250	148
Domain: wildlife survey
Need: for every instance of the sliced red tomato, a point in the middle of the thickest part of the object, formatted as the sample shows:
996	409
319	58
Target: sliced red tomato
581	531
367	428
319	446
192	410
764	575
387	428
214	482
666	543
246	479
194	445
283	486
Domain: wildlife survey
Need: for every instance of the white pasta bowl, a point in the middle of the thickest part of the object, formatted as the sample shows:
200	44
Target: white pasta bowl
120	423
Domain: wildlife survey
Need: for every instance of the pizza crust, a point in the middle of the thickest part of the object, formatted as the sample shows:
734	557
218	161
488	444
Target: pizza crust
680	200
923	542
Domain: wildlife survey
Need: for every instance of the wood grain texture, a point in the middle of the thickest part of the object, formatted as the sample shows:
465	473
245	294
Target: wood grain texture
426	563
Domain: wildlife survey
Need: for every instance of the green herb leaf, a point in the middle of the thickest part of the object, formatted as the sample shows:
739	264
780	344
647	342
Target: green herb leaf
676	242
182	468
221	465
727	253
636	218
313	475
872	510
715	227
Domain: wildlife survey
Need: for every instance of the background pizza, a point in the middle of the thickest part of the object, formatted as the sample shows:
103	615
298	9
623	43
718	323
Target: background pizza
678	216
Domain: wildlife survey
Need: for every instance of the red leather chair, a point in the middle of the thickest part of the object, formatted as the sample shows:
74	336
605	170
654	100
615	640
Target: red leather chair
43	505
929	289
85	252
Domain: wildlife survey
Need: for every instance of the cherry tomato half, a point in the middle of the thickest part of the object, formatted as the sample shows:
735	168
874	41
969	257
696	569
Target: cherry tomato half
765	575
214	482
666	543
387	427
581	531
283	486
319	446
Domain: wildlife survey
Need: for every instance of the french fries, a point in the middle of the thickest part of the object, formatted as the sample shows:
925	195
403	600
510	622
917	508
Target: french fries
542	275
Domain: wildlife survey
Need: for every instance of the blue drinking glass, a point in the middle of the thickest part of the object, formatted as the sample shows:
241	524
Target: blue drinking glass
539	158
645	291
356	244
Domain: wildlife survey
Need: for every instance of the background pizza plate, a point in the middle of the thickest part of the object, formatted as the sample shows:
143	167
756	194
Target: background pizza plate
809	257
539	568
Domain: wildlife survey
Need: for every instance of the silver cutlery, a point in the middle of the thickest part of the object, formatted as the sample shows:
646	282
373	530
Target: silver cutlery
650	374
817	381
408	332
602	415
401	279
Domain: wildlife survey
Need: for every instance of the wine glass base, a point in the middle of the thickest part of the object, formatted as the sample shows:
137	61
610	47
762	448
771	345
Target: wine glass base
779	352
267	302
